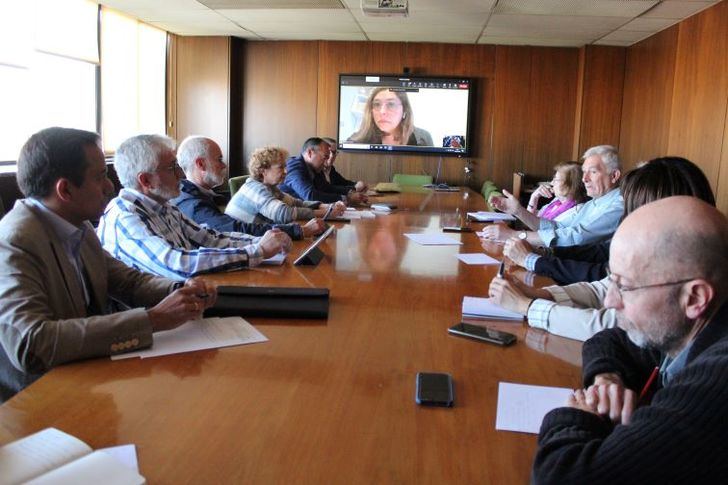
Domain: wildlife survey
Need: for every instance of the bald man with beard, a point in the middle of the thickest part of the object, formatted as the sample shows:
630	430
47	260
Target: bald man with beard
669	288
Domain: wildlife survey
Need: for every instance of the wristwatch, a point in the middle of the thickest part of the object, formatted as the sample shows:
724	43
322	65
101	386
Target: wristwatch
522	235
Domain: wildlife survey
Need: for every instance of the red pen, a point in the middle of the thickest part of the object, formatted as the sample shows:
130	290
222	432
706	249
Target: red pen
649	382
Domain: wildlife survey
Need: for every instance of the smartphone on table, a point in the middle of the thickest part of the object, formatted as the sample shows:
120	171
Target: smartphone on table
434	389
484	334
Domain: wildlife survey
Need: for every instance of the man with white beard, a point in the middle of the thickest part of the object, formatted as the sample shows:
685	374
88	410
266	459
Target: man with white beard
203	165
655	407
141	228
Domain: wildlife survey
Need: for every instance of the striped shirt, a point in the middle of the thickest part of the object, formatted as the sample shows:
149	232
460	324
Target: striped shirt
261	203
158	238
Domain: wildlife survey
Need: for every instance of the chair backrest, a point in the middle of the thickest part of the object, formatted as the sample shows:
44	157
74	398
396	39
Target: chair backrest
408	179
517	184
488	186
236	182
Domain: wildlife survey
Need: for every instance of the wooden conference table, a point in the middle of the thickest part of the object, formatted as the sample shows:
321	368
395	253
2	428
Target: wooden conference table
324	401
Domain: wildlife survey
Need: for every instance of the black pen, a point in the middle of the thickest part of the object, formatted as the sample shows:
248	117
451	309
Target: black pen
502	268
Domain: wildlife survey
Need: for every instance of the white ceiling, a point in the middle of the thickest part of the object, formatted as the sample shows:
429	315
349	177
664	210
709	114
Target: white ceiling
567	23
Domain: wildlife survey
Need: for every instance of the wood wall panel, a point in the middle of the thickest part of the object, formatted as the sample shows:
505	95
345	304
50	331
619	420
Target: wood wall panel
549	123
203	89
279	94
722	189
602	93
533	122
511	111
700	90
649	74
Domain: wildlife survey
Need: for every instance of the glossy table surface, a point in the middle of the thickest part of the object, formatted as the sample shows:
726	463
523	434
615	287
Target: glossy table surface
324	401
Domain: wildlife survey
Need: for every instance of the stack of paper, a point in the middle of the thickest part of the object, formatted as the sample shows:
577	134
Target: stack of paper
54	457
484	216
208	333
474	307
477	258
522	407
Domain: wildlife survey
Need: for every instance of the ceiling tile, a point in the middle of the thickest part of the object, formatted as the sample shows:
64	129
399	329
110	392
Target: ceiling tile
185	16
272	4
293	16
314	36
616	43
587	8
547	23
445	38
625	35
642	24
125	5
676	10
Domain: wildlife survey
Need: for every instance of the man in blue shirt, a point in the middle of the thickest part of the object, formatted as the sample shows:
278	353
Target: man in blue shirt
201	160
595	221
301	180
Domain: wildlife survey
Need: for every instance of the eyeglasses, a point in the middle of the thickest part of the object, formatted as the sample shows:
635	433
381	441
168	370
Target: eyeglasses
621	289
171	169
389	105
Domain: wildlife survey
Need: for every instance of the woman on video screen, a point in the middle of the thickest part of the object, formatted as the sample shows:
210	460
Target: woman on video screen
388	120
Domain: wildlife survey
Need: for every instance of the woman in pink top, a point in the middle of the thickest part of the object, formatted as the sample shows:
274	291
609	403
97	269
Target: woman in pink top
566	188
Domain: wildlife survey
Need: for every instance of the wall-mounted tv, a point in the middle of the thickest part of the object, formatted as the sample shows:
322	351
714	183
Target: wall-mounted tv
403	113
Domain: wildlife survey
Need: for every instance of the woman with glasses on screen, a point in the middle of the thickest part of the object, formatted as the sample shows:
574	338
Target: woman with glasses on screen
388	120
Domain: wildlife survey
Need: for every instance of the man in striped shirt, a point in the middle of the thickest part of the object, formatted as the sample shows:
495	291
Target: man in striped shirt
141	228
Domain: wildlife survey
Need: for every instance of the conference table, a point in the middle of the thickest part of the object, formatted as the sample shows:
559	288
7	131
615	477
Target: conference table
329	400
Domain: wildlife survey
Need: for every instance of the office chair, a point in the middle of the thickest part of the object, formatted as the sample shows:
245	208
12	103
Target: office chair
408	179
236	182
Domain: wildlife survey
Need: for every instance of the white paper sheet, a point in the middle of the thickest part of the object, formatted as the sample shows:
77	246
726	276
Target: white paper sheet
477	258
433	239
124	454
485	216
276	260
208	333
474	307
522	407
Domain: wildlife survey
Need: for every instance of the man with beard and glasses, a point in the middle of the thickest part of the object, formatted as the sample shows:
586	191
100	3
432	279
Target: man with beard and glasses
141	228
201	160
655	407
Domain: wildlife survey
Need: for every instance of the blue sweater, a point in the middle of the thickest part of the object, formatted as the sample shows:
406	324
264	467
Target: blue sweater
303	184
201	208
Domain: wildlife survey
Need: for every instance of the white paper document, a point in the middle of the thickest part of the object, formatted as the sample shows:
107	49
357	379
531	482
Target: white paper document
485	216
124	454
522	407
276	260
477	258
433	239
208	333
54	457
474	307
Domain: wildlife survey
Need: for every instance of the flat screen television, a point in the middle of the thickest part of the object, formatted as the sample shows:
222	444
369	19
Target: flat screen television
403	113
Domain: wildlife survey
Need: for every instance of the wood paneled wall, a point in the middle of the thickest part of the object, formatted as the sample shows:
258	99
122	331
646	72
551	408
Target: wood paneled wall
676	96
291	93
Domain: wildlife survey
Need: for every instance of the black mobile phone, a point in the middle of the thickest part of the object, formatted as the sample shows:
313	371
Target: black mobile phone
484	334
434	389
457	229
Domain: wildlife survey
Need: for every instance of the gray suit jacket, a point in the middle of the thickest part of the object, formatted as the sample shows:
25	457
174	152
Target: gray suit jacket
44	320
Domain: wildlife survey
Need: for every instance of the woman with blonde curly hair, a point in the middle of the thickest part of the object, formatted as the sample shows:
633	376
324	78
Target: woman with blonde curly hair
259	199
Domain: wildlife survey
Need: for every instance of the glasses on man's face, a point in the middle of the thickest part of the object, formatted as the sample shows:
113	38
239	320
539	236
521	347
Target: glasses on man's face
171	169
621	289
388	105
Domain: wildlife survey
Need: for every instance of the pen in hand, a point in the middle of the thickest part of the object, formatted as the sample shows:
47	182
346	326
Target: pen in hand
502	268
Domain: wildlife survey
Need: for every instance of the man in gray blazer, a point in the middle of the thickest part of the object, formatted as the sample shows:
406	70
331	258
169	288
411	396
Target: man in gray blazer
57	283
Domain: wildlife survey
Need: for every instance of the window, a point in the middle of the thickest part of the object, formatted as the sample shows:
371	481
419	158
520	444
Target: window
133	68
45	83
50	70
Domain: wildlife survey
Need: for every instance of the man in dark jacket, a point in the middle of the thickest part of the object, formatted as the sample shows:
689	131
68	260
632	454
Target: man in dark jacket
201	160
669	287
